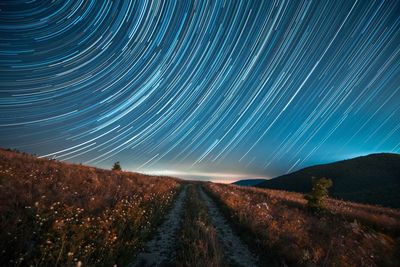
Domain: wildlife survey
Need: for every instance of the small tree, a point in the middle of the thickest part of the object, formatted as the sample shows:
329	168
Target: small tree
116	166
318	193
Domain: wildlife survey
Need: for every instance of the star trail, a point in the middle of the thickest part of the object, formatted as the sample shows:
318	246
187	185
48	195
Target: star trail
200	88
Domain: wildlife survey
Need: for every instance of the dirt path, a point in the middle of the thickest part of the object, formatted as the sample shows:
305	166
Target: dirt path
234	249
161	249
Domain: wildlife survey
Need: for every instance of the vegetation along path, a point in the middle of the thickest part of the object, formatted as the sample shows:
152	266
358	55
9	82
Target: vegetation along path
234	249
160	250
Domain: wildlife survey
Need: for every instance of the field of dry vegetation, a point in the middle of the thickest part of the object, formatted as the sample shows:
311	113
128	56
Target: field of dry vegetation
57	214
279	225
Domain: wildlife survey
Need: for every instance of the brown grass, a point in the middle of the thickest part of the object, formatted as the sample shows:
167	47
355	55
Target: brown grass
197	243
59	214
346	234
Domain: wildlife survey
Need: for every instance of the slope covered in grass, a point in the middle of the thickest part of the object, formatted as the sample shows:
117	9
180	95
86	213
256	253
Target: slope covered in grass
279	225
53	213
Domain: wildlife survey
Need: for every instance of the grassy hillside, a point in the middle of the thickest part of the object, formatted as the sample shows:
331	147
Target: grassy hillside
280	227
373	179
53	213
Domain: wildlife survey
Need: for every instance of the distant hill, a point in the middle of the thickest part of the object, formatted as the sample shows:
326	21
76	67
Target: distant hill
249	182
373	179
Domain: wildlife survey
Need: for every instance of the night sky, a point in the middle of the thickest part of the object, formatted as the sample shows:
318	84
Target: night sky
209	90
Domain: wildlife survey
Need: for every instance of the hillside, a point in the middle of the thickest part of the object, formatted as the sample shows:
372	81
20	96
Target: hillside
54	213
372	179
278	225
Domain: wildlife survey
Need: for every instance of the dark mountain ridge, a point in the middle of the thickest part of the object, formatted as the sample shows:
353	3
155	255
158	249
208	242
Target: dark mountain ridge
249	182
372	179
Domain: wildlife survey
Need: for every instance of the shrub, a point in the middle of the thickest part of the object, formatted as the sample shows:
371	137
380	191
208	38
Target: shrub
318	193
116	166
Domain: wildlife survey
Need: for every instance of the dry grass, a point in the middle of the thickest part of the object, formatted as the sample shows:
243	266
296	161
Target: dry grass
59	214
197	243
278	221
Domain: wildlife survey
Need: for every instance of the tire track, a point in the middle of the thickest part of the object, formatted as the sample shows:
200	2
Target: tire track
236	252
160	251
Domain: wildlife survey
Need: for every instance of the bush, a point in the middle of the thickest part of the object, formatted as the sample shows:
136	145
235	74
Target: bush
117	166
319	193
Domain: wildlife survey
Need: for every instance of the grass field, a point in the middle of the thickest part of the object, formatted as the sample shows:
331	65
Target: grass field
58	214
279	225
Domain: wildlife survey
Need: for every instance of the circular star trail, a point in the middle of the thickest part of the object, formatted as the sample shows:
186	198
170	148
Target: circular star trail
246	87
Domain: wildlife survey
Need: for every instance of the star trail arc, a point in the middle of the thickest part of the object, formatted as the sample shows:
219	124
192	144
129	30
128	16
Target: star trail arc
253	87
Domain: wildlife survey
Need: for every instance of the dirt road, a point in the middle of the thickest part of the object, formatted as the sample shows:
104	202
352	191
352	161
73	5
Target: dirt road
235	251
161	249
